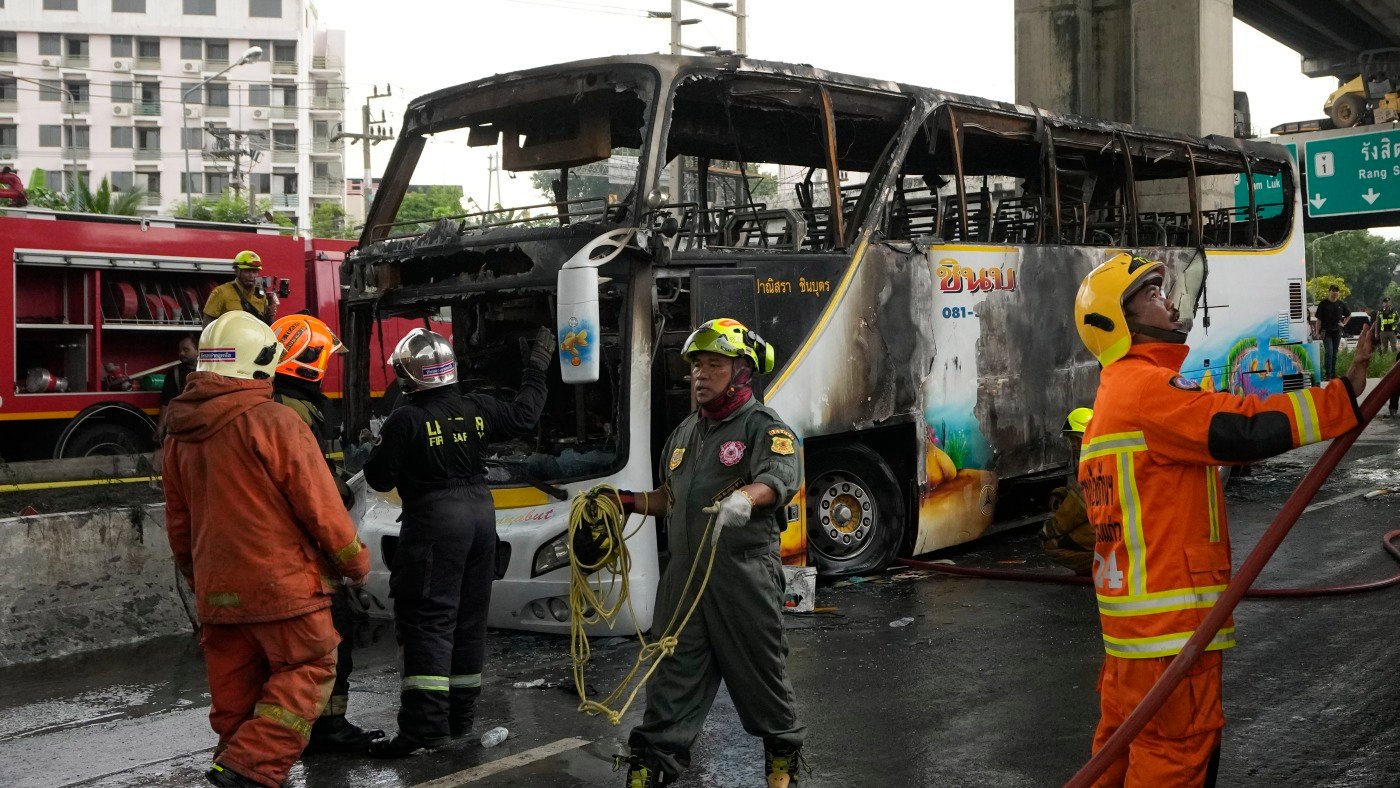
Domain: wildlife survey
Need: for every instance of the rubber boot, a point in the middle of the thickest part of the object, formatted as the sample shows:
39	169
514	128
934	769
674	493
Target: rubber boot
643	771
463	710
334	733
225	777
399	746
782	766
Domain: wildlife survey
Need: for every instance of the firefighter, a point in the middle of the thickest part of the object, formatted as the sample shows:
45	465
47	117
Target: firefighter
735	462
432	448
308	345
243	293
1162	554
1068	536
257	528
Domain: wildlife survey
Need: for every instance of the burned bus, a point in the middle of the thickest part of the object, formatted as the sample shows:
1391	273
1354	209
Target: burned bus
912	254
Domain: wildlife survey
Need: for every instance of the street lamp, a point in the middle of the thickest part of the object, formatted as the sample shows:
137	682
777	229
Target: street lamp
72	125
249	55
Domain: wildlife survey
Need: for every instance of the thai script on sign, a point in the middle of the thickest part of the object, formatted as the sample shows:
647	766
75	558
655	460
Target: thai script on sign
1382	151
956	278
813	286
771	286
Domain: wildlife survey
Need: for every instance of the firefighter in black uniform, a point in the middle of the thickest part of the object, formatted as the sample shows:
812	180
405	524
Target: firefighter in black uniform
431	448
308	345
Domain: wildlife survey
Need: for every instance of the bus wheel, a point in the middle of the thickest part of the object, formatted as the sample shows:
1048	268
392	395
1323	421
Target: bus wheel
855	513
105	439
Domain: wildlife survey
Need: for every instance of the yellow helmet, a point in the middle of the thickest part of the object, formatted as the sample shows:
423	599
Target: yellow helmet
238	345
247	259
728	337
1098	308
1077	420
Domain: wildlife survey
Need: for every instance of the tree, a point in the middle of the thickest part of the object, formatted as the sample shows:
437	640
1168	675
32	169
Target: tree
427	203
82	199
1360	258
328	221
1319	285
227	208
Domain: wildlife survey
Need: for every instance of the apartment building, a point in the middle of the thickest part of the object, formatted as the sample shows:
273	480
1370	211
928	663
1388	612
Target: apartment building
111	88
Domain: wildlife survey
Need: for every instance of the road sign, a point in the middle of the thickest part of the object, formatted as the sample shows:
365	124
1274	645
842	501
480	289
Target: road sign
1268	189
1358	173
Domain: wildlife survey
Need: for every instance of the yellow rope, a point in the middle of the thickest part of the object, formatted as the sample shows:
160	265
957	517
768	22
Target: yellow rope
601	512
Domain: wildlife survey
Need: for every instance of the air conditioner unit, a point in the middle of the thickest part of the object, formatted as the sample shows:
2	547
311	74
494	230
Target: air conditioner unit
190	66
121	109
49	62
121	65
260	113
192	111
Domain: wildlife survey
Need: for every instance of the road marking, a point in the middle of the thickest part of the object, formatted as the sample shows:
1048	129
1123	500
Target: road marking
505	764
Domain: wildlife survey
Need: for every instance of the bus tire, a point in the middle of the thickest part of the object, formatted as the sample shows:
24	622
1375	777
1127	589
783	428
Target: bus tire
855	511
104	439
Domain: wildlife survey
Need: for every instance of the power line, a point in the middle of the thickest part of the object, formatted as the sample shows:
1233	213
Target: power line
92	70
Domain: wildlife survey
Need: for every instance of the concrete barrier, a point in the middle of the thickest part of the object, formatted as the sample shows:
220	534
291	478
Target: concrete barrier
86	580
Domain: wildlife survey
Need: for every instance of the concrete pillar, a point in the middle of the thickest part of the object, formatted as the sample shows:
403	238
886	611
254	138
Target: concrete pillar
1166	64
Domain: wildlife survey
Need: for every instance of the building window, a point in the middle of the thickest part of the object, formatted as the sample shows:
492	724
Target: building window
76	136
129	6
259	95
150	93
321	129
288	93
191	48
121	46
50	90
122	92
192	138
122	181
77	46
148	138
151	181
83	178
9	136
262	183
272	8
9	46
148	48
284	183
216	49
60	5
216	94
284	51
78	91
121	136
9	89
191	179
215	182
284	139
191	92
50	136
50	44
199	7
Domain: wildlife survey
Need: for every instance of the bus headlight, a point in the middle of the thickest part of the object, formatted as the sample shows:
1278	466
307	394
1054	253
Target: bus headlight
552	555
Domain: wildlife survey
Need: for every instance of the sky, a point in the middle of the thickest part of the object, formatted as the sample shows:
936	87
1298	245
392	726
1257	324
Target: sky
423	45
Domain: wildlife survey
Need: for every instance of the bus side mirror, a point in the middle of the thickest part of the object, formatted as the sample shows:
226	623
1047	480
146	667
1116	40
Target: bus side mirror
577	323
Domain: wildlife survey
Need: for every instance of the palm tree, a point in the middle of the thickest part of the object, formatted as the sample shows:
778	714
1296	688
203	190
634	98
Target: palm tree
82	199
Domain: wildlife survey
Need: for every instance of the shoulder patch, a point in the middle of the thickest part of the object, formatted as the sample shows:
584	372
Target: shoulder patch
731	452
782	444
1184	383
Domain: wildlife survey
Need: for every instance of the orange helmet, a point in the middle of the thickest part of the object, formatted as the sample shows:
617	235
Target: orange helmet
309	344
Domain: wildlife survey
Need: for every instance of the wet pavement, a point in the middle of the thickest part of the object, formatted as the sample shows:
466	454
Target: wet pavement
992	684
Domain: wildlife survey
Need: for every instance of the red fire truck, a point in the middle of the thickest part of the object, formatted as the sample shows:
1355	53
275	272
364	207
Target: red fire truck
97	304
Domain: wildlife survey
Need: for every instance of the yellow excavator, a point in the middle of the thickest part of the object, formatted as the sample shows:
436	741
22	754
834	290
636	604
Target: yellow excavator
1372	95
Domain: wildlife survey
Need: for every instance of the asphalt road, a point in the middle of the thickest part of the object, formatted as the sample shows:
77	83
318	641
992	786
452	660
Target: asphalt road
991	685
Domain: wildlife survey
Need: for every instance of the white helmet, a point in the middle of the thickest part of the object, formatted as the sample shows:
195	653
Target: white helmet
238	345
424	360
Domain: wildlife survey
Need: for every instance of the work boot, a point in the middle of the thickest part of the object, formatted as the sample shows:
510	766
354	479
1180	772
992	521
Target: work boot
643	771
782	766
334	733
462	712
225	777
399	746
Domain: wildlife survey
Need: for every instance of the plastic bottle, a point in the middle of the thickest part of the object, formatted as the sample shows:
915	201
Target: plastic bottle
494	736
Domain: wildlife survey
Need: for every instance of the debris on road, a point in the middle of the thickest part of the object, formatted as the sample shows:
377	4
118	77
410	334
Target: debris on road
902	622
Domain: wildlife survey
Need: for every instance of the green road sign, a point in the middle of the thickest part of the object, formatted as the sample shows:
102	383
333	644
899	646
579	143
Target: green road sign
1268	190
1359	173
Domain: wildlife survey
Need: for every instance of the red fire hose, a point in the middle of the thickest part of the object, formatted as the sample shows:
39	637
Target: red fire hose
1117	744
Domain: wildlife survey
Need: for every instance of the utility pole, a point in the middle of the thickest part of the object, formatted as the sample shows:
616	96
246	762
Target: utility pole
367	137
234	148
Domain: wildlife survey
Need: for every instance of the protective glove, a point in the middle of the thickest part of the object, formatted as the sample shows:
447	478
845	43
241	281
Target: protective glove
733	510
362	602
542	350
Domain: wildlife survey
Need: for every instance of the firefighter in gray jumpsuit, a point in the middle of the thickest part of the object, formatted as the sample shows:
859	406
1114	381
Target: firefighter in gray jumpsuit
733	460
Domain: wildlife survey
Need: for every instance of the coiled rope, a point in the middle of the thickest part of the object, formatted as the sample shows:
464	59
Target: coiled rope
600	512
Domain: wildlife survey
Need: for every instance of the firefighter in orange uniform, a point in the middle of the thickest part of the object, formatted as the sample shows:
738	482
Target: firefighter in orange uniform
1162	554
257	527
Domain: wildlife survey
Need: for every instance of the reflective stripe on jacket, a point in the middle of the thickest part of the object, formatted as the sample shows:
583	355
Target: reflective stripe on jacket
1162	549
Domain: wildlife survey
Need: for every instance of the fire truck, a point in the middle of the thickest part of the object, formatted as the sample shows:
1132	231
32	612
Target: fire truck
97	305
